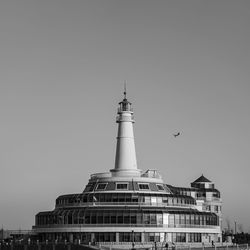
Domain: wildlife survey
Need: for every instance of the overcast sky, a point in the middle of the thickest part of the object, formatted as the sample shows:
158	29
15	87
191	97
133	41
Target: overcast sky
62	68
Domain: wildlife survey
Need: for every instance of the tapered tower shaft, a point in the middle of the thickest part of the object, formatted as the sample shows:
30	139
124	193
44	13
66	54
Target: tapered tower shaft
125	158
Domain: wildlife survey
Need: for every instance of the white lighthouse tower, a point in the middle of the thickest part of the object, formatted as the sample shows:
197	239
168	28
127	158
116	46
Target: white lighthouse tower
125	158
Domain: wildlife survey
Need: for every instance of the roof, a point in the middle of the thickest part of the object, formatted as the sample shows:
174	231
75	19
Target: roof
202	178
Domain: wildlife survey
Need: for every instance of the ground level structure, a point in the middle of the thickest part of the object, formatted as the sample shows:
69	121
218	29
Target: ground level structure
127	207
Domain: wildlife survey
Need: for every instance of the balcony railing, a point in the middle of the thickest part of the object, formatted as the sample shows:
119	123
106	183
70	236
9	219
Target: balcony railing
140	204
81	226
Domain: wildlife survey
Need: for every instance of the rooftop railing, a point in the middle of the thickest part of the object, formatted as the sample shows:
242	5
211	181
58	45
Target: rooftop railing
141	204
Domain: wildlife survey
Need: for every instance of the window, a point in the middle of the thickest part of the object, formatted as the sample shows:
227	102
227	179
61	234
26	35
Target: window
160	187
122	186
89	187
101	186
144	186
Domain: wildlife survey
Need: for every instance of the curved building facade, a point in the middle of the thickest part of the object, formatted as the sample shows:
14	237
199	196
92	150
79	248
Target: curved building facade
127	207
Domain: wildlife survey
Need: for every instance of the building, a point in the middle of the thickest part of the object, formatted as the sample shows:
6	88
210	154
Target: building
127	207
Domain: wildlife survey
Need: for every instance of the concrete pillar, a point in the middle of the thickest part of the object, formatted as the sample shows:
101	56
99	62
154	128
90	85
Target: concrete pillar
116	237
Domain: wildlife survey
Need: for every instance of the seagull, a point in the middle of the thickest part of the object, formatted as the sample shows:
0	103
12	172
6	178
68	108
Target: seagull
175	135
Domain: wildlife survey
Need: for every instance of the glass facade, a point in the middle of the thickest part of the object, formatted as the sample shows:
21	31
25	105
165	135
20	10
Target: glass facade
126	198
126	218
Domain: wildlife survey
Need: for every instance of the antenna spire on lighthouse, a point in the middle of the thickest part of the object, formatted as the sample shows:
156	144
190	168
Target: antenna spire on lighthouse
125	158
125	90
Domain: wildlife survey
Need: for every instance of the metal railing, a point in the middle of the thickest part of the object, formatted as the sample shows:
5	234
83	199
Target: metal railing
142	204
124	225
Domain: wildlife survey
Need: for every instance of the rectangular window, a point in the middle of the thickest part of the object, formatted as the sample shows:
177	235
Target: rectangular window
182	219
134	198
99	219
153	219
108	197
101	186
187	219
121	197
159	219
121	186
120	218
146	218
160	187
153	200
180	237
177	219
159	200
147	199
137	237
133	218
106	218
143	186
139	218
171	220
126	218
113	218
89	187
115	197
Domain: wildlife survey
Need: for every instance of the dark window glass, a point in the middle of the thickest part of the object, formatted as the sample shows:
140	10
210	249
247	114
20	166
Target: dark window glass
133	218
121	186
89	187
134	198
100	219
146	218
101	186
137	237
87	218
113	218
115	197
126	219
108	197
102	198
139	218
180	237
106	218
152	218
144	186
121	197
160	187
120	218
93	219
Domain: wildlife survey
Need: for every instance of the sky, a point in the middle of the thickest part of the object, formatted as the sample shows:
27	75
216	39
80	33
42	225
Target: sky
62	69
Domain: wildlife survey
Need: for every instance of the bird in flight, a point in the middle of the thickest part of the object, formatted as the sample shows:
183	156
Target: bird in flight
175	135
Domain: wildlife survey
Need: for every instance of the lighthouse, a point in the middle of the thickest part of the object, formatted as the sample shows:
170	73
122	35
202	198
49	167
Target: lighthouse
126	207
125	157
